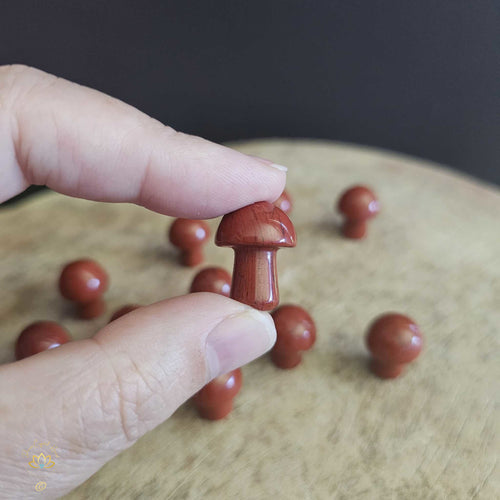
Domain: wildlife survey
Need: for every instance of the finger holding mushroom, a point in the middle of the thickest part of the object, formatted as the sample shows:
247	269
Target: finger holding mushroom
255	233
189	236
296	333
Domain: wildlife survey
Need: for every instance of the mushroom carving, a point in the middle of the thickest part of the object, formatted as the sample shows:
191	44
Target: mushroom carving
296	333
215	400
40	336
394	341
256	232
189	235
212	279
357	204
84	282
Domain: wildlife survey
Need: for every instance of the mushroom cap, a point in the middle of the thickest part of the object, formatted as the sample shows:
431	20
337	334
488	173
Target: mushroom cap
394	338
83	281
258	225
358	203
220	389
212	279
188	233
284	202
295	328
40	336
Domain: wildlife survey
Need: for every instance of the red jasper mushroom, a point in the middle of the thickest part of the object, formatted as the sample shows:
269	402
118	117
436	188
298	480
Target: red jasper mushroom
296	333
357	204
215	400
284	202
255	233
84	283
123	310
40	336
189	235
212	279
393	340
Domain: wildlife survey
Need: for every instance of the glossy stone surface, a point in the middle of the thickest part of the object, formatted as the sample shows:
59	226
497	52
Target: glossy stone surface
393	341
124	310
215	400
189	235
357	205
212	279
40	336
284	202
255	233
296	332
84	282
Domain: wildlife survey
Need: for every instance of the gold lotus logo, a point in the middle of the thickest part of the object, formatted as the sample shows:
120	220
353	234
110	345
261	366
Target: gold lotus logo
41	462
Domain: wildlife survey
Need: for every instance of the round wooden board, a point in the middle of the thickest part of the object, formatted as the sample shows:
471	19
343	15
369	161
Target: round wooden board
327	429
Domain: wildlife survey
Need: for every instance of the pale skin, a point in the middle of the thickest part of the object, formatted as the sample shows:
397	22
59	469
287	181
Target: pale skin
94	398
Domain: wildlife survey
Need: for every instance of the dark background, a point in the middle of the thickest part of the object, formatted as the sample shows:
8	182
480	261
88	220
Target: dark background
419	77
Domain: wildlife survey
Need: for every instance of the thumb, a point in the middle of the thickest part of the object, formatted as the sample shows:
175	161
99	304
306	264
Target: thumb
94	398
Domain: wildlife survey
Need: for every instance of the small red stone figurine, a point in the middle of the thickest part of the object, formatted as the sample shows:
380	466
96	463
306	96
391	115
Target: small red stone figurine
189	236
215	400
212	279
123	310
40	336
393	340
255	233
357	204
296	332
284	202
84	282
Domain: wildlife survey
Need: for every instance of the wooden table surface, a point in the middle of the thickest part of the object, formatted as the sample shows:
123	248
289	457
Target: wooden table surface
327	429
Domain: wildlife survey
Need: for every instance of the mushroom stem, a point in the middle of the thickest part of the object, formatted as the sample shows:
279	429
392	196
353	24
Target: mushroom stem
192	257
385	370
217	411
354	229
255	280
90	310
286	359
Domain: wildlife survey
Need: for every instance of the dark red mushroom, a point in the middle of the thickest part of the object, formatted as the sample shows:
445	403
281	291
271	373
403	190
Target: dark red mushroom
40	336
393	340
84	283
212	279
357	204
189	235
296	333
255	233
215	400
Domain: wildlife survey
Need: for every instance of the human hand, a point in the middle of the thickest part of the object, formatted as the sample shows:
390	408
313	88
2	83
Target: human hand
94	398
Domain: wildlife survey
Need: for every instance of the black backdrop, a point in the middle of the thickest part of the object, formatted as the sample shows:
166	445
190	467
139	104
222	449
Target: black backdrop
420	77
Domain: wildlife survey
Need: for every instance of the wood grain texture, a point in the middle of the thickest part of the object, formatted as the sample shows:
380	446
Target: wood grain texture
329	429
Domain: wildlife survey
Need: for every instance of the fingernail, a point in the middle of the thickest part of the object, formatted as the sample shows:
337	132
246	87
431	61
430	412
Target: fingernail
279	167
269	163
239	339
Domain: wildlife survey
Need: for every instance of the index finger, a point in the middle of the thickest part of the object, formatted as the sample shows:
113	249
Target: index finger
83	143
